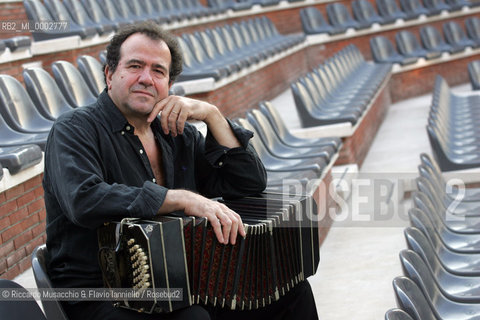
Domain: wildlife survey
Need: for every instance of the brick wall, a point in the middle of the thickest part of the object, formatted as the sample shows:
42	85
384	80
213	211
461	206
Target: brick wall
12	11
22	226
239	96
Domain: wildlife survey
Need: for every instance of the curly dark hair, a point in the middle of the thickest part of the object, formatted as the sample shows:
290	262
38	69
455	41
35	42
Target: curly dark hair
154	32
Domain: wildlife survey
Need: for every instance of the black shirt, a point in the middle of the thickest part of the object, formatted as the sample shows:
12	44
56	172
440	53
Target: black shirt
97	171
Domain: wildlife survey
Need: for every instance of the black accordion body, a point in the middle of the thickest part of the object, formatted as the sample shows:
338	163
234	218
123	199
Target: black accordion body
280	249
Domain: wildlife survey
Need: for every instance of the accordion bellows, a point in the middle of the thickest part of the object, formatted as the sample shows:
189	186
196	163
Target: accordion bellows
280	249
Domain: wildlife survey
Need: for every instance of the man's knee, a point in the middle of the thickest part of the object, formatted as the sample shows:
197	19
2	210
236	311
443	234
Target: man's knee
193	313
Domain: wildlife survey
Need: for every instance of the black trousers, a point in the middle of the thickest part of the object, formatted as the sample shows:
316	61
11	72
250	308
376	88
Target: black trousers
298	303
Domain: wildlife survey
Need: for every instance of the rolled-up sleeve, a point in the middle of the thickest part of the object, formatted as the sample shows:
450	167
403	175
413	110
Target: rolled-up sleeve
237	172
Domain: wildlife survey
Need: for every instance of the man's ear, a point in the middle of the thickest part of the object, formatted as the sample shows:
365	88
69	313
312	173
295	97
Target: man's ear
108	76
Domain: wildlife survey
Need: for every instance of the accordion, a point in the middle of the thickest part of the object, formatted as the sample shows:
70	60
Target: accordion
280	249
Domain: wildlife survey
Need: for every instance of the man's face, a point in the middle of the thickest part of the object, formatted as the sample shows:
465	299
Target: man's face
142	75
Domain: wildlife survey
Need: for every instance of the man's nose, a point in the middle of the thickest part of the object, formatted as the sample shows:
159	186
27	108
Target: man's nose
145	77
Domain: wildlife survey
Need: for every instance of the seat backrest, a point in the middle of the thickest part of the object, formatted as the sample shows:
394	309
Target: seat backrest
71	83
397	314
53	309
421	221
406	42
411	299
387	8
472	25
58	11
474	74
381	48
78	12
363	10
95	11
415	269
411	5
26	308
419	243
431	37
92	72
45	93
453	32
338	14
18	109
109	9
274	117
312	19
36	11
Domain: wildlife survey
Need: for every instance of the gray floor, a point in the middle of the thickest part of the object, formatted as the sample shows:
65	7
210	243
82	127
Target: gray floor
359	257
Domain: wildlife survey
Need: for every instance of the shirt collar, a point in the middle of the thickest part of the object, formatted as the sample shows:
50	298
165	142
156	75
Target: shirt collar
116	120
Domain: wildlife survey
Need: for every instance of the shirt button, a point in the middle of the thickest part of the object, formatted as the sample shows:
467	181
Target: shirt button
123	133
154	180
128	128
220	163
141	151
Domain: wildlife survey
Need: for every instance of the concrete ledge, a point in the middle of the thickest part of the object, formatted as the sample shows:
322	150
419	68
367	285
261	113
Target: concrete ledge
9	181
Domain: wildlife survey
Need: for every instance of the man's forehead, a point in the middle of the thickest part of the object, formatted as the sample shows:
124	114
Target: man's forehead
139	44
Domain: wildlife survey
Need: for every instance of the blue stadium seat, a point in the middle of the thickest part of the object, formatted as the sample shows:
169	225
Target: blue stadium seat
364	13
12	138
474	74
339	17
397	314
455	35
472	26
383	51
36	11
458	4
236	5
275	164
17	42
59	12
433	40
313	22
17	108
72	85
45	93
389	10
16	159
96	13
284	134
112	11
413	8
81	17
435	6
411	299
408	46
92	72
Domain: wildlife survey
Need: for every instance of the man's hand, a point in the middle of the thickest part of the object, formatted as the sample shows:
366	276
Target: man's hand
225	222
177	110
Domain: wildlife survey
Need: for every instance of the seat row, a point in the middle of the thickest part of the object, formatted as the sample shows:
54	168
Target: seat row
14	43
441	264
87	18
339	90
474	74
223	51
287	157
453	128
364	14
431	45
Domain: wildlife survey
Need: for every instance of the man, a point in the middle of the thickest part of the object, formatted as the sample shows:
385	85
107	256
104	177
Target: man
117	159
